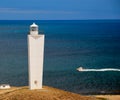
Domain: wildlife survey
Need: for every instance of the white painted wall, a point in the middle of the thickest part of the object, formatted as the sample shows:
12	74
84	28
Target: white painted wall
35	60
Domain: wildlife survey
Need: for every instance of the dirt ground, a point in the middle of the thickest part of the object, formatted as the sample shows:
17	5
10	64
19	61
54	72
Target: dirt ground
47	93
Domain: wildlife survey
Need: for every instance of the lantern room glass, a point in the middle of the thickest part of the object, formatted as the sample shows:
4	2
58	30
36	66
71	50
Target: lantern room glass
34	28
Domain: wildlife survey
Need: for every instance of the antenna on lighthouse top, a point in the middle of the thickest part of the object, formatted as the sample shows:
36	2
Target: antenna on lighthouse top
34	29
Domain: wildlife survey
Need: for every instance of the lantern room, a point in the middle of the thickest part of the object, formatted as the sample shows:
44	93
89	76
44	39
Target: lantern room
34	29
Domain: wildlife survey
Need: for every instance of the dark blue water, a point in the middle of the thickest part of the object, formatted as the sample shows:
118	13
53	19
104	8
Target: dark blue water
68	45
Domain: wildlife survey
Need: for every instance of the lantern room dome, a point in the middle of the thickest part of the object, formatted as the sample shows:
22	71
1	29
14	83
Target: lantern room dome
33	25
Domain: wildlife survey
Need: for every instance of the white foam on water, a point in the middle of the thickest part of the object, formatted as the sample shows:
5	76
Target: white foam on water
95	70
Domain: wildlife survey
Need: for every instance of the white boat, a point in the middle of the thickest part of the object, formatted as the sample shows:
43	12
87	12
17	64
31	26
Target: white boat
80	69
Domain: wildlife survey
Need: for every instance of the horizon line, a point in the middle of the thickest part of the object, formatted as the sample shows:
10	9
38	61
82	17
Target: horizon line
54	19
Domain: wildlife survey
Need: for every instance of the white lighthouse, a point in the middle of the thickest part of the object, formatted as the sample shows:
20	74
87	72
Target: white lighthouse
35	57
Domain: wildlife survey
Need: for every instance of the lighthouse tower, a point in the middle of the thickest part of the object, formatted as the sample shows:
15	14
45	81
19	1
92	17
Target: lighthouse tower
35	57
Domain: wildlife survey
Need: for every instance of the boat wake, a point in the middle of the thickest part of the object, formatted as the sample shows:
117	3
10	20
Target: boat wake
95	70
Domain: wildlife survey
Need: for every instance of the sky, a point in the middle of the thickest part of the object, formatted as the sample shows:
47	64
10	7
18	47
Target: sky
59	9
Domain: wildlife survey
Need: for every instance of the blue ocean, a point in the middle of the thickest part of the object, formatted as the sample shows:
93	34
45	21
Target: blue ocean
69	44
